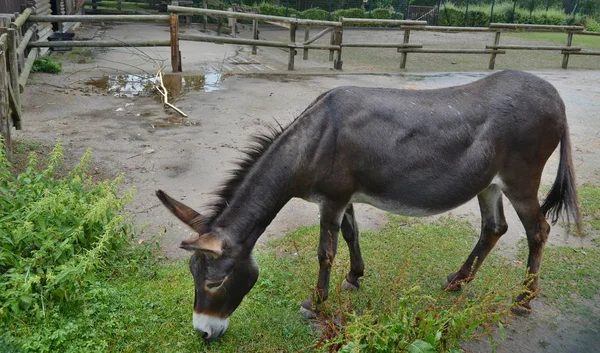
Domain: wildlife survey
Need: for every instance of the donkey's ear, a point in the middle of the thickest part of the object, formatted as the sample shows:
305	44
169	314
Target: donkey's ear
206	243
186	214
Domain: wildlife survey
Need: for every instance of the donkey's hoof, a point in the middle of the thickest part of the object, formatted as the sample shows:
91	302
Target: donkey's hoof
307	310
450	286
521	305
521	309
306	313
349	286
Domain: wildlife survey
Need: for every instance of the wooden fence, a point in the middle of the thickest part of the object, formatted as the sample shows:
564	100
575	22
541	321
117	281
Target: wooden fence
23	37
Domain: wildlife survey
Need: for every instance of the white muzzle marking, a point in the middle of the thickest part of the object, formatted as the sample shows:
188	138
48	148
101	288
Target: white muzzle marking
210	327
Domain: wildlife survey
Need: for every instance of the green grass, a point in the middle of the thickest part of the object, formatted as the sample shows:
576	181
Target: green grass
589	200
588	42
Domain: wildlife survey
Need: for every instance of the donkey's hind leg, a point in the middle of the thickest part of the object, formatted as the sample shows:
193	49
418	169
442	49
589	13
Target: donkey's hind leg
537	229
493	226
350	234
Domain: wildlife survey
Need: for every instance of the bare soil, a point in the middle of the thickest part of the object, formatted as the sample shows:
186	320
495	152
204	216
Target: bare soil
104	99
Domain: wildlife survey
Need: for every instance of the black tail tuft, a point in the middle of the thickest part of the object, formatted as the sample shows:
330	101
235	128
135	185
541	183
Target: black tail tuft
563	194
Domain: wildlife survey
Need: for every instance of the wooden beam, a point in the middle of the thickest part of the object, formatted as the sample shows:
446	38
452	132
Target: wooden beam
250	16
452	51
99	18
260	43
375	21
518	26
381	45
100	44
533	47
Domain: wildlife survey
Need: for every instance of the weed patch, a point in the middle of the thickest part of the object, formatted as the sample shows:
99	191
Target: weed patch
47	65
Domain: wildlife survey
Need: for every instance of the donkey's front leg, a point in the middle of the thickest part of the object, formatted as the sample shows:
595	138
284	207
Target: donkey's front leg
331	218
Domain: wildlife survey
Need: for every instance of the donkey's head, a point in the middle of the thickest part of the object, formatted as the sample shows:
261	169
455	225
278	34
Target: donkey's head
223	271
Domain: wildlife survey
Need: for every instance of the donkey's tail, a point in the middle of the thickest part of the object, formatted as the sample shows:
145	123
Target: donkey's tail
563	194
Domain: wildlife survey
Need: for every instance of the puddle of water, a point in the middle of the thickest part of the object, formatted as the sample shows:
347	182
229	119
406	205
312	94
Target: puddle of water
129	86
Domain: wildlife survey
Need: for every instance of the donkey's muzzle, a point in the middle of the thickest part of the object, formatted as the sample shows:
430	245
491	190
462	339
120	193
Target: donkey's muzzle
210	327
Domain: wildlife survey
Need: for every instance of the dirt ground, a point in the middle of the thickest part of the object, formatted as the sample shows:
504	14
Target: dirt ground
104	99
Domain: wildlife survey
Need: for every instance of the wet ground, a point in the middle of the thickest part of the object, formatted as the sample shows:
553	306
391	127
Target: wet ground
106	99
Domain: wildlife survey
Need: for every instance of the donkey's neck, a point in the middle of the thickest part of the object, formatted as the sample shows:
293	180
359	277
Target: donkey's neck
268	185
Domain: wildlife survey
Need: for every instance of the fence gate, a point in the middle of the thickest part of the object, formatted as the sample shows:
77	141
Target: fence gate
423	13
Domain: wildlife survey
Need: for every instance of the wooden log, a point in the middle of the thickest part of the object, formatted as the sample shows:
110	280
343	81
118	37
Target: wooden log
452	51
318	35
42	9
13	70
25	40
492	63
27	69
249	16
19	21
404	54
518	26
583	52
99	18
100	44
260	43
533	47
122	4
280	24
175	58
374	21
587	33
293	27
448	29
381	45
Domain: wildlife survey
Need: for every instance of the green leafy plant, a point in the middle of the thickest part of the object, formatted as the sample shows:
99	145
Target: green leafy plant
47	65
56	233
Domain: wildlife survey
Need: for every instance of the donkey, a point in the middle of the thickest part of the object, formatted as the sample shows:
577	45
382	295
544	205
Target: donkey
415	153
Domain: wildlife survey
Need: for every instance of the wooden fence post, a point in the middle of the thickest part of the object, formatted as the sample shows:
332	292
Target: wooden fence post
205	18
13	74
493	55
337	64
175	54
404	54
331	42
566	54
254	34
306	38
5	125
220	21
293	27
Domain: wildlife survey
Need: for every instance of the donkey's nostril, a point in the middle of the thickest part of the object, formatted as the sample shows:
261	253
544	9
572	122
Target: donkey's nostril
203	334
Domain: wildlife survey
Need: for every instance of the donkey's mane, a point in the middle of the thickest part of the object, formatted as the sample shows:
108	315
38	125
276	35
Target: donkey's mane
259	143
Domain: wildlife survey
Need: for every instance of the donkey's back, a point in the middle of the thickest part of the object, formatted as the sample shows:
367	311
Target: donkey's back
425	152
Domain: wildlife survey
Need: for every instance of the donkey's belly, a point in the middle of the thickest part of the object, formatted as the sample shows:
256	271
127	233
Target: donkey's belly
397	206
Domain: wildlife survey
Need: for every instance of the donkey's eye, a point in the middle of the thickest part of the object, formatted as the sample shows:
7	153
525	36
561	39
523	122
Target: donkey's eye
214	285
